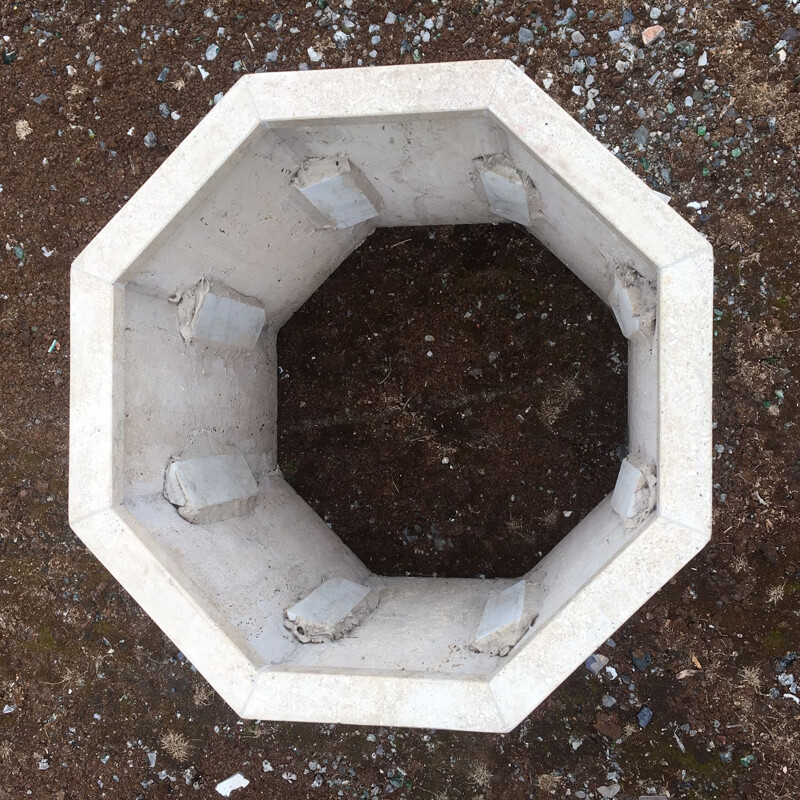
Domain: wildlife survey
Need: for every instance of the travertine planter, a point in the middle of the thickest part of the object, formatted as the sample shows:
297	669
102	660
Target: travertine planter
176	305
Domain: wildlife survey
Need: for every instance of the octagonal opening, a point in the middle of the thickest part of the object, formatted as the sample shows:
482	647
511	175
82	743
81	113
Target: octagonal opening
176	307
452	401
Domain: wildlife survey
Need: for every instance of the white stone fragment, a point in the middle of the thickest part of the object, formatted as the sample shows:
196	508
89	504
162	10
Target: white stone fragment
237	781
633	301
211	488
212	314
507	616
331	610
337	190
634	496
509	192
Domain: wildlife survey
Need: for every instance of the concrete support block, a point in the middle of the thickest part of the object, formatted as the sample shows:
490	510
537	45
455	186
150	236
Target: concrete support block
508	615
339	193
633	301
634	495
331	610
509	191
211	488
213	314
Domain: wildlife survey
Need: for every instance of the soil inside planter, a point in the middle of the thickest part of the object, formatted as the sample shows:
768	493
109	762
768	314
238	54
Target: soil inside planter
452	401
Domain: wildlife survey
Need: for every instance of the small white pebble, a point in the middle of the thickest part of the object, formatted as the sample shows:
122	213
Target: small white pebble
237	781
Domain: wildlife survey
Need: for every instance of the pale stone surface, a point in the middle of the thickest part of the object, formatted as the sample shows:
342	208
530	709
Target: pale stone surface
331	610
211	488
140	395
652	34
633	301
634	494
229	785
337	190
508	615
509	192
213	314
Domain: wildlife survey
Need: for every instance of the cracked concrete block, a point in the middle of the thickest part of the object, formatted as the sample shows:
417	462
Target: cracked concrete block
211	488
331	610
507	616
633	301
634	496
338	191
509	192
213	314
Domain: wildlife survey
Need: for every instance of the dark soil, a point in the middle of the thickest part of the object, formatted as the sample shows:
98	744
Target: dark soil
452	401
91	685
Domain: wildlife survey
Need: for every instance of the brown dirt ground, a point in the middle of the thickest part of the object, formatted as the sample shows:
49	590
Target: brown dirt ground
453	401
92	685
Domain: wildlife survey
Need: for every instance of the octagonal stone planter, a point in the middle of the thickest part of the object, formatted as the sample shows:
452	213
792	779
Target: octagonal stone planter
176	306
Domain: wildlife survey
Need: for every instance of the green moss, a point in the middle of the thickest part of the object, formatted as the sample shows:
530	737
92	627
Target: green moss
774	643
289	469
43	641
710	768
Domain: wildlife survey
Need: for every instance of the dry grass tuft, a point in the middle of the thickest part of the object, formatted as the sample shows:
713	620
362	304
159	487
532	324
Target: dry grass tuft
549	782
254	731
175	745
202	695
550	519
740	564
775	594
629	730
789	126
751	678
558	400
480	776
